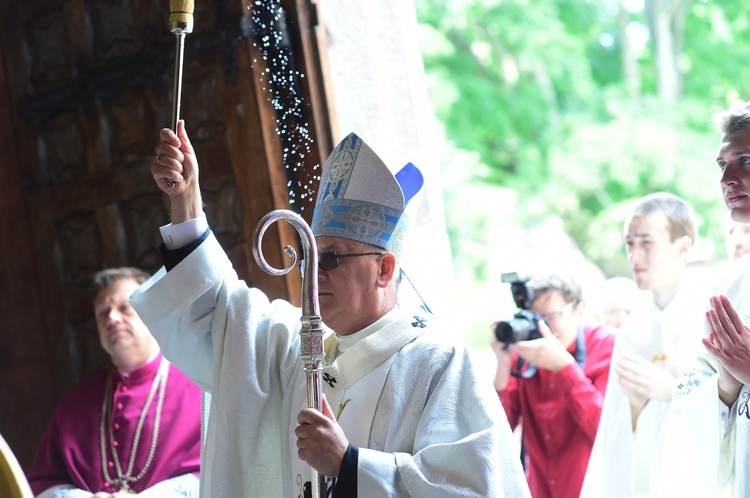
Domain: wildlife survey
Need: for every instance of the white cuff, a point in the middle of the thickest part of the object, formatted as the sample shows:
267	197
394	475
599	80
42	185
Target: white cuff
64	491
182	486
376	473
182	234
726	415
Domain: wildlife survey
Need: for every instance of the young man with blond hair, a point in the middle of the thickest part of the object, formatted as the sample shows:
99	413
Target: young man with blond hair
709	432
652	349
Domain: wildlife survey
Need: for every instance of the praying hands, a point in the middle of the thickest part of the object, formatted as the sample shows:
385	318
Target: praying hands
729	342
643	380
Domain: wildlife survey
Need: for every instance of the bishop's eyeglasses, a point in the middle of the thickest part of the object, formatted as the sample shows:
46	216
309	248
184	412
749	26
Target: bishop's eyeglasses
329	260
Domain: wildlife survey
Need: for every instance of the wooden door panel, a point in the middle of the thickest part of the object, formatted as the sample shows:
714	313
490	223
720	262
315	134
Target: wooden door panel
85	88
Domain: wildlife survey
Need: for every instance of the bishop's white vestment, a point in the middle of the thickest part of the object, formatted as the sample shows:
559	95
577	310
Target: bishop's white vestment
425	424
625	463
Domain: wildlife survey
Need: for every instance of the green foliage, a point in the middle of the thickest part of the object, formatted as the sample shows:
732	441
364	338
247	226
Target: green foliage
536	92
498	86
716	62
643	149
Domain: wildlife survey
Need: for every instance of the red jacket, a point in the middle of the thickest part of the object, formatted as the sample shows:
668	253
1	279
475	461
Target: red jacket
560	413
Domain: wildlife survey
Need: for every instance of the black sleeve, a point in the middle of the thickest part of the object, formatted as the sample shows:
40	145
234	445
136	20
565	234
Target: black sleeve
172	258
346	484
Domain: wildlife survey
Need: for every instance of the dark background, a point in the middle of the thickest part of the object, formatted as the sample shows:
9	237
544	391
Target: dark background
85	87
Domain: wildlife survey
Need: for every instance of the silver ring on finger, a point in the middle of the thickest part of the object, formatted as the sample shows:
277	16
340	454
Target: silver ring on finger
156	158
170	183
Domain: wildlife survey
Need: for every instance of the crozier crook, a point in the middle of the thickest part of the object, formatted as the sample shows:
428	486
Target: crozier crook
311	334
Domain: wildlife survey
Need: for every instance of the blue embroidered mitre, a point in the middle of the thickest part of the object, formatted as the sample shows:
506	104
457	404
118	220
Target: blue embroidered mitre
360	199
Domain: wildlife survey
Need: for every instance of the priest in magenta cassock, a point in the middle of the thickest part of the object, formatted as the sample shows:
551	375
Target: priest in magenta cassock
135	428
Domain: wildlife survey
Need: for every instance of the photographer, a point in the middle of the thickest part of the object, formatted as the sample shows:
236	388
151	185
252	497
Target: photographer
553	383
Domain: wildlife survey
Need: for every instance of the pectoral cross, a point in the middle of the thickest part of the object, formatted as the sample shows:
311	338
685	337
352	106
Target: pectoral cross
341	407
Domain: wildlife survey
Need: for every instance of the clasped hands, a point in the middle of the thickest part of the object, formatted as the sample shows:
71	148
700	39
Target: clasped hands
642	379
729	342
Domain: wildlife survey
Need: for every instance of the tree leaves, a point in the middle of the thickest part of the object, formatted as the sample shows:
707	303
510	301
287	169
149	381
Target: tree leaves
545	128
537	91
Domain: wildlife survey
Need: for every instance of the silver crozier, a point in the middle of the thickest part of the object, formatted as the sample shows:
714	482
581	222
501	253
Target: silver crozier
311	334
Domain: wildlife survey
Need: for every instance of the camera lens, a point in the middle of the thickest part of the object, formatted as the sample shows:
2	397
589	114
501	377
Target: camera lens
504	332
522	327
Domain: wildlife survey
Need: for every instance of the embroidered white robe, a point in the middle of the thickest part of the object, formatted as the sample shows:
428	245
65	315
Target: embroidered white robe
707	447
438	430
625	463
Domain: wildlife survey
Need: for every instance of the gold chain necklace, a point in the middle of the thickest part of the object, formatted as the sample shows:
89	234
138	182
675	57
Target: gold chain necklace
123	480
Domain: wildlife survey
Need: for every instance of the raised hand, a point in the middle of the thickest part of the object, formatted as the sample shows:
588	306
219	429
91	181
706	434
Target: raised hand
175	170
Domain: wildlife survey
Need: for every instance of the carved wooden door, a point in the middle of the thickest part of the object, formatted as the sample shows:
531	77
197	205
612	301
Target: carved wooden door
85	87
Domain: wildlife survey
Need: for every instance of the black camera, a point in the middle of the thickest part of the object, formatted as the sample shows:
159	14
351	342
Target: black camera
524	326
